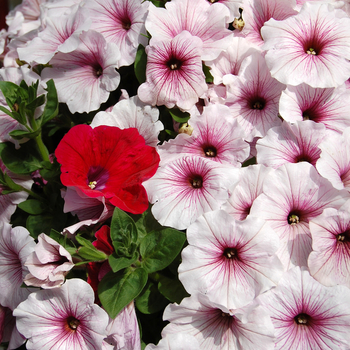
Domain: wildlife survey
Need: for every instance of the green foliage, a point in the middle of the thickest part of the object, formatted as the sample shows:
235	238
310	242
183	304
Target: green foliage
140	64
88	251
117	290
179	116
208	77
33	206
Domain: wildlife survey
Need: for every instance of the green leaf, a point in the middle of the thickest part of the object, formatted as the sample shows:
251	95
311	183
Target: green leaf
140	64
51	107
159	248
10	91
250	161
22	161
179	116
158	3
37	224
208	77
39	101
20	134
117	290
88	251
33	206
172	289
7	111
123	233
118	264
10	184
146	223
150	300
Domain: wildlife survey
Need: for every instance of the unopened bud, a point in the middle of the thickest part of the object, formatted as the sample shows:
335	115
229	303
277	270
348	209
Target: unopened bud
239	23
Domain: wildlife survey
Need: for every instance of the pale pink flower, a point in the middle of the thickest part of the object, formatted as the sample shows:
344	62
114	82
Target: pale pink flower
187	187
231	262
217	328
334	162
64	318
215	136
89	210
123	331
61	34
121	22
85	77
292	195
205	21
308	315
177	341
254	97
311	47
230	60
245	191
329	262
291	144
232	5
174	73
15	246
257	12
10	331
326	106
48	264
132	113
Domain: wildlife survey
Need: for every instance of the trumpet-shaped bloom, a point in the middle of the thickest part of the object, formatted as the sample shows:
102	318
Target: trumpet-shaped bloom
215	136
334	162
231	262
245	191
48	264
108	162
15	247
174	73
326	106
217	328
308	315
292	195
205	21
85	77
176	341
133	113
254	97
311	47
187	187
64	318
121	22
291	144
329	262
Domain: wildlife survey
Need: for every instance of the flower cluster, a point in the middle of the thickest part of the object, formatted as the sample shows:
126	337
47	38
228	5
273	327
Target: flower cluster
184	161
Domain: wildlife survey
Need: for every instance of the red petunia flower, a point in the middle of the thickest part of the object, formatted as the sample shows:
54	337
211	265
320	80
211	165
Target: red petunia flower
110	162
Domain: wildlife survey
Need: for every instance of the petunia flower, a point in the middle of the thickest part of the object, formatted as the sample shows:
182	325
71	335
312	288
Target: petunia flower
231	262
329	262
177	341
187	187
310	47
293	195
245	191
85	77
308	315
48	264
62	318
334	162
203	20
110	162
216	136
326	106
121	22
291	144
132	113
253	97
174	73
15	247
217	328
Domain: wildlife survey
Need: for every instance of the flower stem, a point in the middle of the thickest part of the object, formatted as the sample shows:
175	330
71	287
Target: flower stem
42	148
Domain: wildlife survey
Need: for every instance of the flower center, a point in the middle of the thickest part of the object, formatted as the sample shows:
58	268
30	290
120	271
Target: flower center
231	253
213	1
196	181
210	151
303	158
344	237
257	103
311	51
126	23
97	178
293	219
98	70
302	319
73	323
174	64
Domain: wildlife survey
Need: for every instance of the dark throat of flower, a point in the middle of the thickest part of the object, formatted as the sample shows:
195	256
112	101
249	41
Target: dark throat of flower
302	319
210	151
344	237
174	63
294	218
72	323
231	253
196	181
